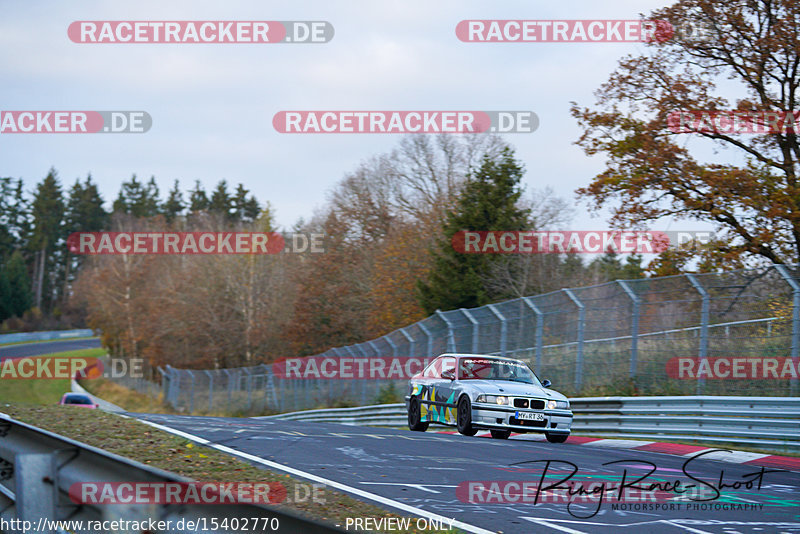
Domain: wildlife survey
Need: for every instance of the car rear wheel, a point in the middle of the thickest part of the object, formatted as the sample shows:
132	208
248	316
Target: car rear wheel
556	438
414	422
464	420
500	434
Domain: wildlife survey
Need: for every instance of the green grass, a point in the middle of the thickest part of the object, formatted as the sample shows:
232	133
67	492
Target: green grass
45	341
42	391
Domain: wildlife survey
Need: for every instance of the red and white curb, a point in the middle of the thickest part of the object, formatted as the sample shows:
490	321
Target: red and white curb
676	449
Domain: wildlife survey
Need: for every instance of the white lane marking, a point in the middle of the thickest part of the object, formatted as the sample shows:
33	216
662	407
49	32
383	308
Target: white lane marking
545	523
421	487
618	443
685	527
332	483
735	457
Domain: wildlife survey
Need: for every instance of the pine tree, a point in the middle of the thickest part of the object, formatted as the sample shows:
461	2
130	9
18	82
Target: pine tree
15	287
488	202
138	199
221	200
173	206
247	209
198	200
47	211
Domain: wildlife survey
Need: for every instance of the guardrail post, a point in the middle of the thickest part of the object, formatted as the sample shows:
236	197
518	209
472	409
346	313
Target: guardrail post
475	329
784	272
34	474
451	337
411	342
634	325
581	322
706	305
503	328
539	331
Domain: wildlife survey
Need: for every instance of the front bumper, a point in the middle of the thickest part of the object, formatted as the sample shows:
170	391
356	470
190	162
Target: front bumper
494	416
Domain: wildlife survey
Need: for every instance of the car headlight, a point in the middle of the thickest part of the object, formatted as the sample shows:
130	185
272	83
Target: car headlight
557	404
492	399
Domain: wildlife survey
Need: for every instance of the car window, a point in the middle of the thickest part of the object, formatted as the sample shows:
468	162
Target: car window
448	364
77	400
433	369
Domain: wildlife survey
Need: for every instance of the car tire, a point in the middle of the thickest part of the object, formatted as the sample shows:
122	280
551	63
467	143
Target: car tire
464	417
414	422
500	434
556	438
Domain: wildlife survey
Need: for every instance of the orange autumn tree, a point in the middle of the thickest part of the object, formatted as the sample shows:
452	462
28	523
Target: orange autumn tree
747	60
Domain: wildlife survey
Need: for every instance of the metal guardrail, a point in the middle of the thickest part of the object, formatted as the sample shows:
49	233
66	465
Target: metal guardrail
38	467
44	336
769	423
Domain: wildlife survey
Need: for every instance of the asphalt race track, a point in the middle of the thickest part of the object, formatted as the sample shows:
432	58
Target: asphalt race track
48	347
424	470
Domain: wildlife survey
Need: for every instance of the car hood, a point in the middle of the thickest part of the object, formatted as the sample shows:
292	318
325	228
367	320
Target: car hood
495	387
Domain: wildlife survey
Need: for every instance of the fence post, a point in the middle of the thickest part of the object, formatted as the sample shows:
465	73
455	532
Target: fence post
375	381
539	331
503	328
165	381
230	386
701	382
410	342
361	379
249	386
634	325
475	329
191	391
210	391
581	322
429	336
451	337
784	272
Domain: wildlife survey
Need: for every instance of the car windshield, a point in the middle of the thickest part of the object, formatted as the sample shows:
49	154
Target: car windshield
77	400
491	369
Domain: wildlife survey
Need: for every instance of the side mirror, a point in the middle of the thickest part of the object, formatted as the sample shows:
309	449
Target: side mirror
546	383
449	374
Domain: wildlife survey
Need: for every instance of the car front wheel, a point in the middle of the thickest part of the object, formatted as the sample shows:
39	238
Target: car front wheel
414	422
556	438
464	421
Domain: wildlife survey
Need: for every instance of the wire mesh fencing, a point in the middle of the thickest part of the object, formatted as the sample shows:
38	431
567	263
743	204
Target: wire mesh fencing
732	333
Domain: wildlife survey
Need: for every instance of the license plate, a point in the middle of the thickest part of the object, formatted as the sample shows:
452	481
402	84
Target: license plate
529	416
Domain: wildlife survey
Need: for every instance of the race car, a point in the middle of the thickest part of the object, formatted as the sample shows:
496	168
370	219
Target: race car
473	391
77	399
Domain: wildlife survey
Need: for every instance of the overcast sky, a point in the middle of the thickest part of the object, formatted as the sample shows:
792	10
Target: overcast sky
212	104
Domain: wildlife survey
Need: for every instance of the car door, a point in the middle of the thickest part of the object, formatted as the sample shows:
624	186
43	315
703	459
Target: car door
446	392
